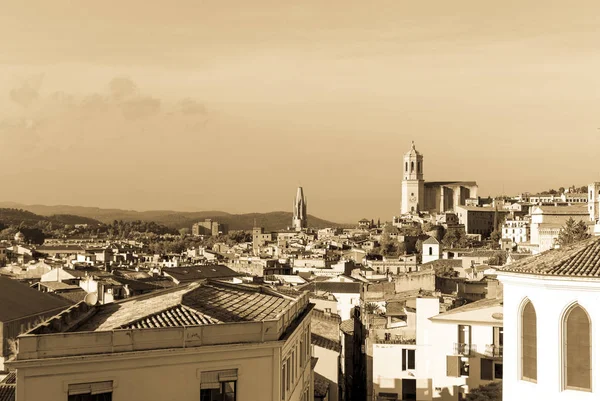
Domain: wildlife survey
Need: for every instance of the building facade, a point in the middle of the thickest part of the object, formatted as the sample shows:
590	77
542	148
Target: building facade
209	227
193	337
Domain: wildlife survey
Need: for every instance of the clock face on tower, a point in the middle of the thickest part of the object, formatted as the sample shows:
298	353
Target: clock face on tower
413	199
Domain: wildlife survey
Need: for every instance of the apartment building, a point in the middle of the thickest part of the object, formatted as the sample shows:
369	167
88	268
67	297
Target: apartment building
448	355
203	341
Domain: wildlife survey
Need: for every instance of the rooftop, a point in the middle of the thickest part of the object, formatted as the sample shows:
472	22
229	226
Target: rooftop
19	300
561	210
482	311
581	259
206	303
193	273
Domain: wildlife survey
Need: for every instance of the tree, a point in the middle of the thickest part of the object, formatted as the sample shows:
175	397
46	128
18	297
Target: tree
498	259
454	237
371	308
489	392
572	232
496	236
561	190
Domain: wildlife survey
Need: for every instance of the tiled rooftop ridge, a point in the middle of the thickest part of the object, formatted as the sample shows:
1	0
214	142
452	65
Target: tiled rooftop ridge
581	259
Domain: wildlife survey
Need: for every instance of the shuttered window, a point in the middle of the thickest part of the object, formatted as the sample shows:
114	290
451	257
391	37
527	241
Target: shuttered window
97	391
453	366
218	385
408	359
487	369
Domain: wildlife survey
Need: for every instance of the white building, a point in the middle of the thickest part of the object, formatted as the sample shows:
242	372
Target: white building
201	341
455	351
551	316
516	230
431	250
546	222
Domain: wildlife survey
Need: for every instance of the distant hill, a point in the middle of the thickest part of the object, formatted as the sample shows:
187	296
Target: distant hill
16	216
173	219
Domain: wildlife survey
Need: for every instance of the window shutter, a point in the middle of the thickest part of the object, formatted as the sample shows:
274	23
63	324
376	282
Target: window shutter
487	369
411	358
83	388
91	388
210	380
452	366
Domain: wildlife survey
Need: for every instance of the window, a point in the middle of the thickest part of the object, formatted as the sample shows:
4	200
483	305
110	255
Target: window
406	166
408	359
529	343
487	369
464	336
283	369
577	349
430	250
412	167
98	391
218	385
497	371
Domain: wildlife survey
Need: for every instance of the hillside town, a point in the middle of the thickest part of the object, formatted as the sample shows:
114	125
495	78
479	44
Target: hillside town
409	307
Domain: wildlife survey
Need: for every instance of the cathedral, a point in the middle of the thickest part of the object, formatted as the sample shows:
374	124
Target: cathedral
433	197
299	220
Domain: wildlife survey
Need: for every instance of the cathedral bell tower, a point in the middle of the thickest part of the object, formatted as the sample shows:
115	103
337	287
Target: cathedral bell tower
413	185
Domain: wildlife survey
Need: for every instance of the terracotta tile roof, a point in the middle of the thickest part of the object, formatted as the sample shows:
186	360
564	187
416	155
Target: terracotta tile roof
171	317
11	378
201	303
347	326
321	386
577	260
7	392
443	263
326	343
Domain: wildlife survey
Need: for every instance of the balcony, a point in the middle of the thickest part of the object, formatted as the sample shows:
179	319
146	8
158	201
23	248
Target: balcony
493	351
464	349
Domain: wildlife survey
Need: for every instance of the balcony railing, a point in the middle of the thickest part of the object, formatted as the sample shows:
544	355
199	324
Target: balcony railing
395	339
494	351
464	349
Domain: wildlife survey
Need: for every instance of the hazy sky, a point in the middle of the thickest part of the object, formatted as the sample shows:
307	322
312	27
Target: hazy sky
229	105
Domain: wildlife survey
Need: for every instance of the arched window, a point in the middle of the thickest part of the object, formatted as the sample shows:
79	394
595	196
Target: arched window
419	167
406	166
529	342
577	349
412	167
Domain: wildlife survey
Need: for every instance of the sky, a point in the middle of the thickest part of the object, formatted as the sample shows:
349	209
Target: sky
230	105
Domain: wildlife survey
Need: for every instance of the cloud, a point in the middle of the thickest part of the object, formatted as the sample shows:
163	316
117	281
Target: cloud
189	106
28	91
140	107
122	87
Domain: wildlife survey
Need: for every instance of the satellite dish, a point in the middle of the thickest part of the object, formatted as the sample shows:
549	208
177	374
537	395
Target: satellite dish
91	298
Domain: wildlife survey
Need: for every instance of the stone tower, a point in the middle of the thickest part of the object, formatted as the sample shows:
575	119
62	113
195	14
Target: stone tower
299	220
413	185
594	201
